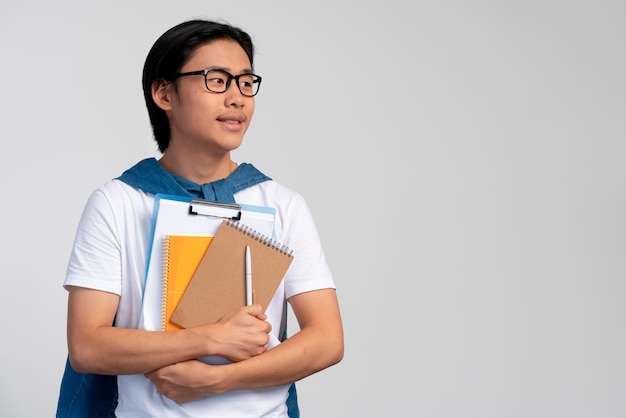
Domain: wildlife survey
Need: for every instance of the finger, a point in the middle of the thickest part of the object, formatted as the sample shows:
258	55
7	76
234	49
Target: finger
257	311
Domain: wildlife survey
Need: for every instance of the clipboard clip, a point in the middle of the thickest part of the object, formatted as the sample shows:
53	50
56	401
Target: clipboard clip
215	209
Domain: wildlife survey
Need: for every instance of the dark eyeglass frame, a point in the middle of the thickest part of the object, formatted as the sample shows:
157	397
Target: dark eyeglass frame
256	79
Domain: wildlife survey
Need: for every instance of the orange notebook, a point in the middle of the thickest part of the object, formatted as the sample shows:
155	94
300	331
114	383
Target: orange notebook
218	284
181	256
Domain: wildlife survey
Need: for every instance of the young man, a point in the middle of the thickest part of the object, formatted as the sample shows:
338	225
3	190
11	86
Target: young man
199	85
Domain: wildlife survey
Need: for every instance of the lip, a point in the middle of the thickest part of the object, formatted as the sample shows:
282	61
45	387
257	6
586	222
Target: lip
232	118
232	122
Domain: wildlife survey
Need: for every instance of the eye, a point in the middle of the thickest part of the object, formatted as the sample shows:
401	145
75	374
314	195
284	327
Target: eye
246	83
246	80
216	80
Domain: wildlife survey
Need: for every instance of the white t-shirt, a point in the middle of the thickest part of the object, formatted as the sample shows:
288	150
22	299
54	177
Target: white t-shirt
110	254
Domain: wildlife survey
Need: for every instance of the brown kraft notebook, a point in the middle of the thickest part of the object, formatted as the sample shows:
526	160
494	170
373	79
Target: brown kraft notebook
218	284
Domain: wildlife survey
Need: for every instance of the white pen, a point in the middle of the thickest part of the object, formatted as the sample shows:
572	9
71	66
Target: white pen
248	277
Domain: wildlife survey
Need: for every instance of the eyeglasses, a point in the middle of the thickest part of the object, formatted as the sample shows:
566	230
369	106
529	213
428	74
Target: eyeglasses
218	81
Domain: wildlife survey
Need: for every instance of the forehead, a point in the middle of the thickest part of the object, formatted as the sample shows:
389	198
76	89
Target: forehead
222	53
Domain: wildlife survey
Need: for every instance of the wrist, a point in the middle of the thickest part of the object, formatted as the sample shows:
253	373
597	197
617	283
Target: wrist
202	344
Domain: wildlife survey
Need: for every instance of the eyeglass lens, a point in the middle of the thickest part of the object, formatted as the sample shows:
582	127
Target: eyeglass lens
218	81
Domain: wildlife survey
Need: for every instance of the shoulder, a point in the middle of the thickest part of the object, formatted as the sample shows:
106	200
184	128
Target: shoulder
273	194
116	198
116	190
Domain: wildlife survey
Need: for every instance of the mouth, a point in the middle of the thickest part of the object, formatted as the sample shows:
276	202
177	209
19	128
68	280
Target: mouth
232	119
233	123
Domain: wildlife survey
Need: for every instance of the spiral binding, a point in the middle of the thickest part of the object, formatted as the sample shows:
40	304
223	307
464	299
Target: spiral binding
281	248
166	267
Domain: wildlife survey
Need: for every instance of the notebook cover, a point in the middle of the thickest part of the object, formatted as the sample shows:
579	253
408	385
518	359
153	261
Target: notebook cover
182	255
218	285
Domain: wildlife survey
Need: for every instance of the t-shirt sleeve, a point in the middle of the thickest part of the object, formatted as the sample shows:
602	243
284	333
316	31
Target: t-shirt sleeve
309	269
95	260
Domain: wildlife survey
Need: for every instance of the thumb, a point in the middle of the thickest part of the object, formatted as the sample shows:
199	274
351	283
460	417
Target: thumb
256	310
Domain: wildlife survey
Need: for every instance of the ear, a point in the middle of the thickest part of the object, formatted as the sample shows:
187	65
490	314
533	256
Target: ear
161	94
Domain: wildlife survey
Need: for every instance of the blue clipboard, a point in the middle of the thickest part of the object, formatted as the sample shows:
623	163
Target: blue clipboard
177	215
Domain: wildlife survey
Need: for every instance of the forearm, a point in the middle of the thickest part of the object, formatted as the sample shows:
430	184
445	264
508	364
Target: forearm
95	346
300	356
319	344
114	351
303	354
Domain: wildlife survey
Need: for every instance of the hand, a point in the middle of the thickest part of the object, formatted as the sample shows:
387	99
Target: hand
184	382
240	334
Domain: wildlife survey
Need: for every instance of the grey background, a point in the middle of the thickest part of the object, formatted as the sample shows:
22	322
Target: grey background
464	162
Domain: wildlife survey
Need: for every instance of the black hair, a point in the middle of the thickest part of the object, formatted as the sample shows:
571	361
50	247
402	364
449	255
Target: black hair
169	54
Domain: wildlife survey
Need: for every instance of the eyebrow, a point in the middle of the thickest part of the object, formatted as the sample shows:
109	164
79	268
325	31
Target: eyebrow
217	67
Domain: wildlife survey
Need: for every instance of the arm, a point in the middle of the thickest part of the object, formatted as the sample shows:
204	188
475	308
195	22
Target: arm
95	346
318	345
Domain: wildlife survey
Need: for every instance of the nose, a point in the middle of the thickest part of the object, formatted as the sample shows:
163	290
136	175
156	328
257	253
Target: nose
233	97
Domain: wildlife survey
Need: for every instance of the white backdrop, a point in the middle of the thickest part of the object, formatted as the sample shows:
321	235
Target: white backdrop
464	162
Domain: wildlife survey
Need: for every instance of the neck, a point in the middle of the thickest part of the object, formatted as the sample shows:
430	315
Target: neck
197	168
